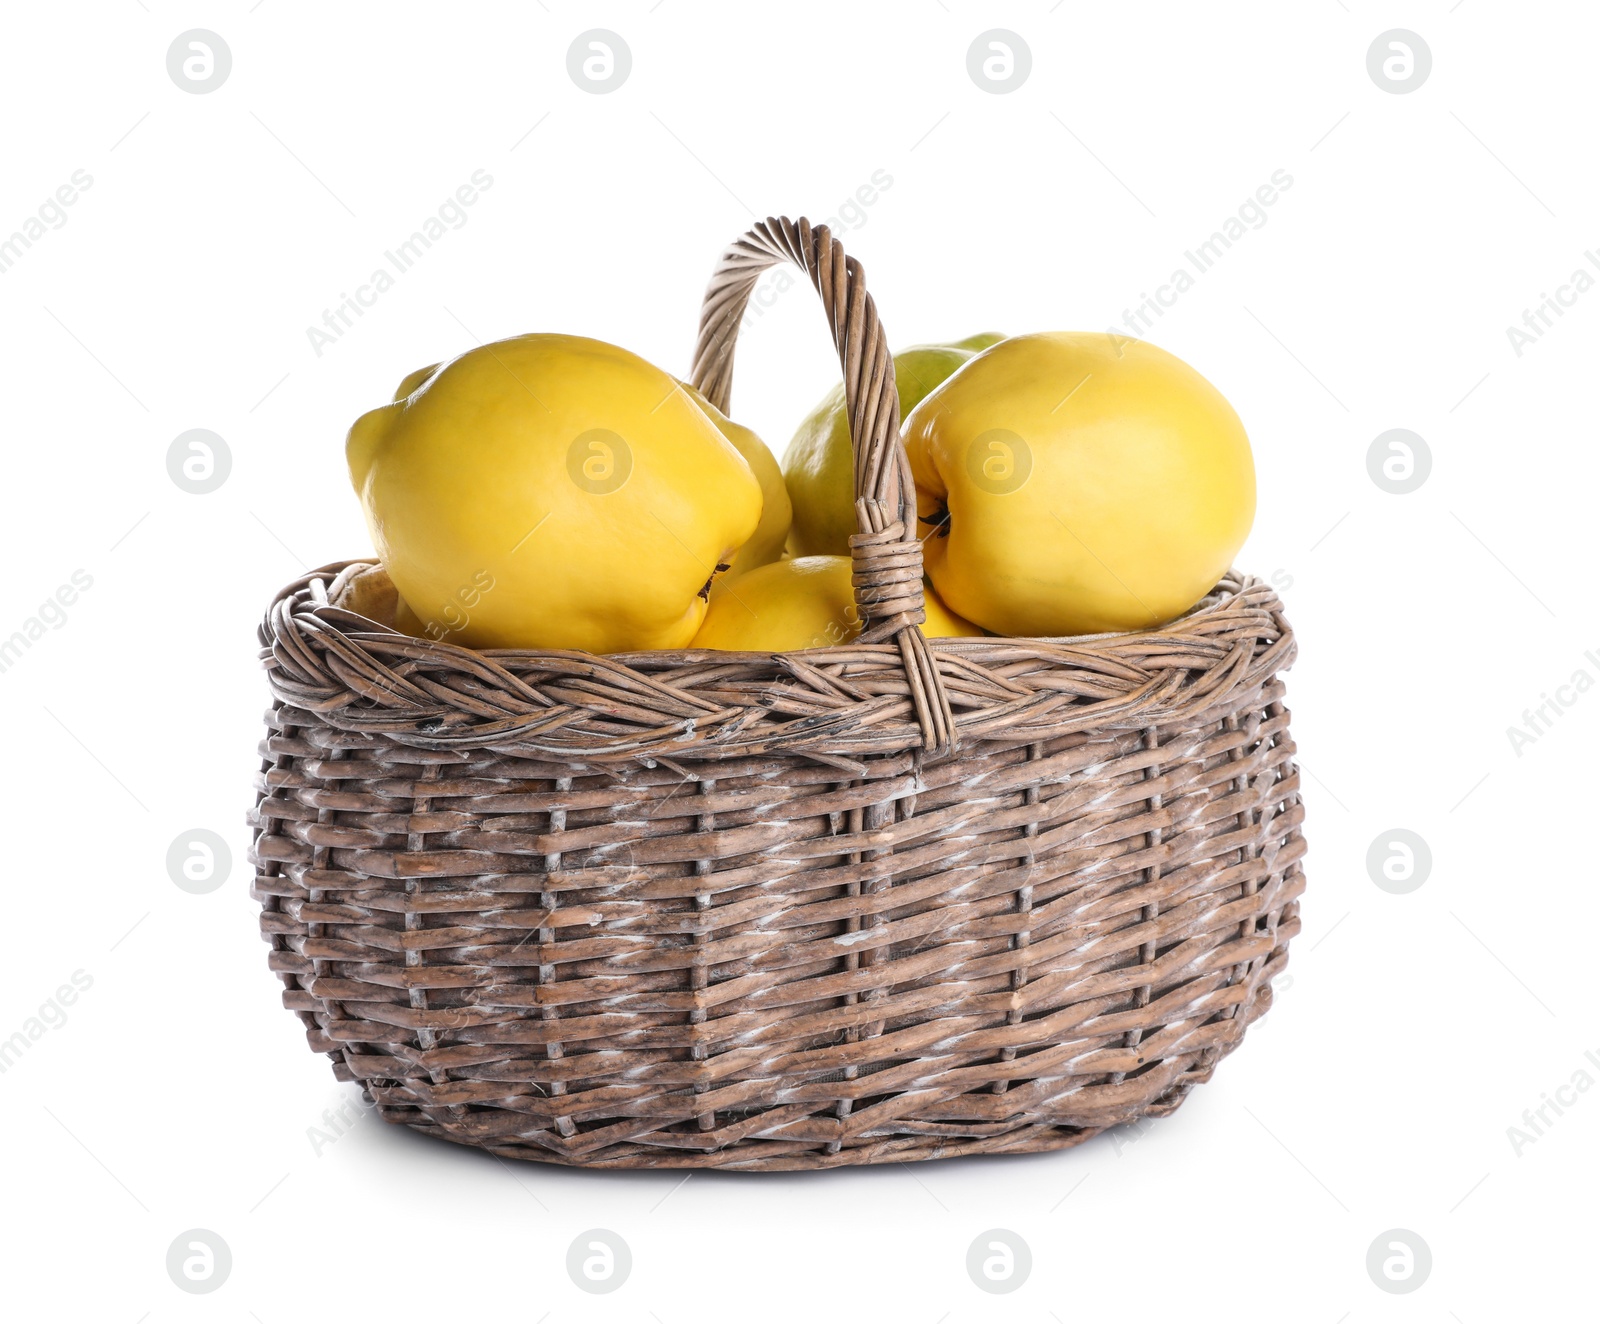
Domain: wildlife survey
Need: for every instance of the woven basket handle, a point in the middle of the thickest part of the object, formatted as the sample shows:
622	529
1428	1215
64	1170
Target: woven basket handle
885	552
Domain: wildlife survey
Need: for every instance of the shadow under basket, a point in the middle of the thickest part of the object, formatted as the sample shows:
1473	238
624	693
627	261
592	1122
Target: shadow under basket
896	899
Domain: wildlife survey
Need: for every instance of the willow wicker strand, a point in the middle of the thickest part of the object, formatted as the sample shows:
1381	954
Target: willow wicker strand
887	553
701	909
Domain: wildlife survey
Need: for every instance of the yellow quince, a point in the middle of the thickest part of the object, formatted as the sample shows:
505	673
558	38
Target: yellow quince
766	544
1071	483
805	602
551	491
819	467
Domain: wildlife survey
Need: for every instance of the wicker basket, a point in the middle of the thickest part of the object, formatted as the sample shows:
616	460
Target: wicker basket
891	900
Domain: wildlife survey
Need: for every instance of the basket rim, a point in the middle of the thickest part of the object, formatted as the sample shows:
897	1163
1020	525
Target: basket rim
1233	583
834	704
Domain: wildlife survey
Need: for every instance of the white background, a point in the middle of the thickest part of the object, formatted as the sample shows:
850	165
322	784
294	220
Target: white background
1413	1030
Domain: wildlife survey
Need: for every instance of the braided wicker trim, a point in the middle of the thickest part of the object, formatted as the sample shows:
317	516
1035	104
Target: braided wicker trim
832	705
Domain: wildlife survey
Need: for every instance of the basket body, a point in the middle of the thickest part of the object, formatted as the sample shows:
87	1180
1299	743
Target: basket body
896	899
696	910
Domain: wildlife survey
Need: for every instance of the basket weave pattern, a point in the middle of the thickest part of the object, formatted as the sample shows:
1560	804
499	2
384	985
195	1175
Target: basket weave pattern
895	899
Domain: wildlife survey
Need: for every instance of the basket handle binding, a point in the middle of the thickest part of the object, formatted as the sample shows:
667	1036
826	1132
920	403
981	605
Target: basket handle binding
885	553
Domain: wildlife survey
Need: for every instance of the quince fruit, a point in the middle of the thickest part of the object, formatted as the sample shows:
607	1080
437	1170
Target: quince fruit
819	466
551	491
1078	482
805	602
767	543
